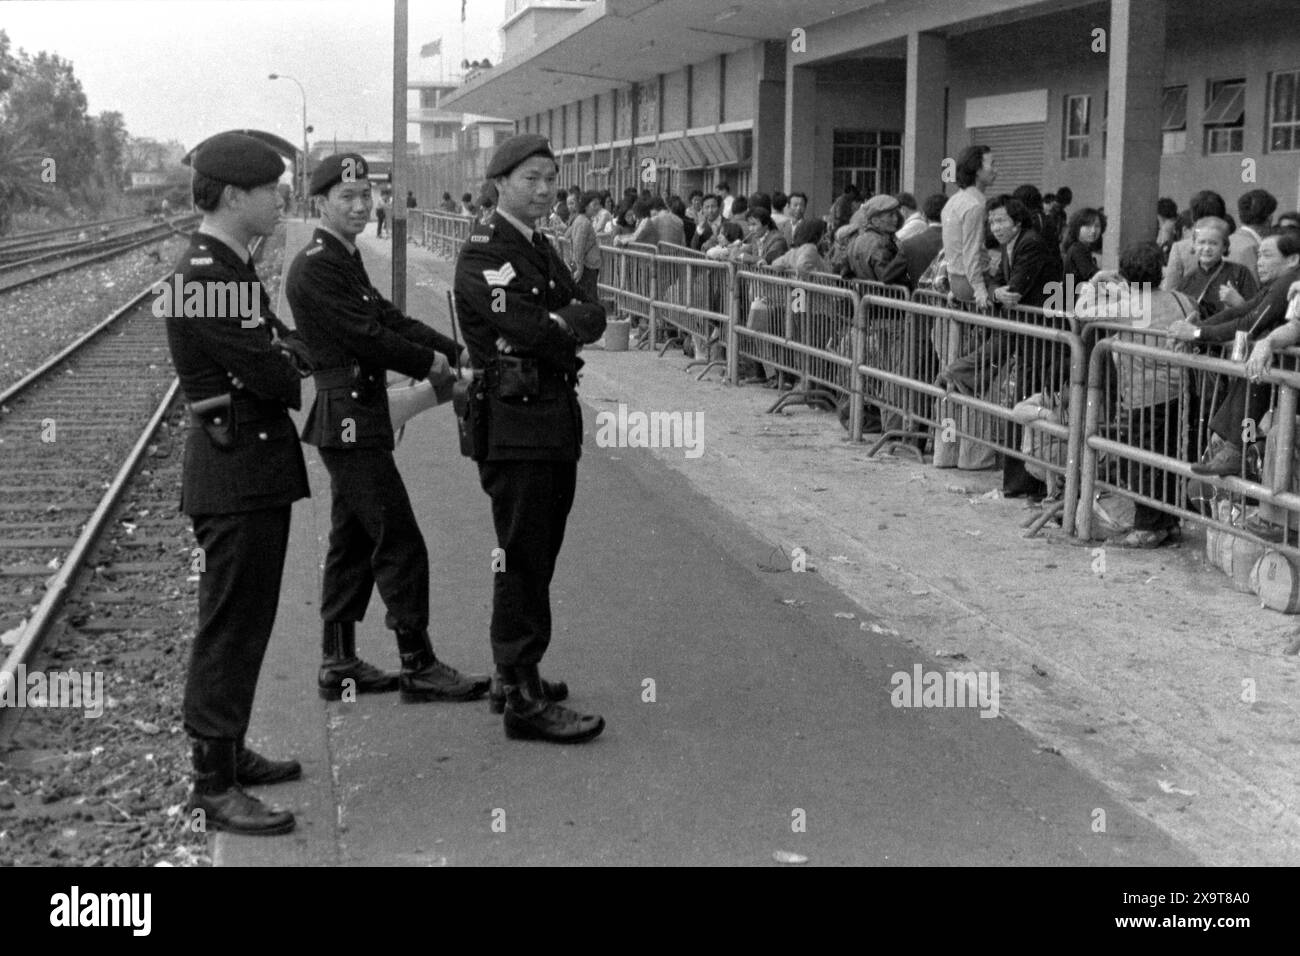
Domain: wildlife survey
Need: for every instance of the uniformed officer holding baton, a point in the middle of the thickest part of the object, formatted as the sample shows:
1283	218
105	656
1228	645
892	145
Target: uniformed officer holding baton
243	470
355	336
524	319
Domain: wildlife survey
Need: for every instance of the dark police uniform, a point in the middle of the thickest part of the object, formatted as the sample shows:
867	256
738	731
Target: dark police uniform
243	470
355	335
239	498
534	443
506	289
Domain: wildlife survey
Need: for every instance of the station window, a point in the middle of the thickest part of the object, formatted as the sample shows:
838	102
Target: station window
1077	127
1284	112
1225	116
871	158
1173	123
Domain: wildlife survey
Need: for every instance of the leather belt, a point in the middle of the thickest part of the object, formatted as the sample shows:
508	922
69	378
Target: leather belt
334	377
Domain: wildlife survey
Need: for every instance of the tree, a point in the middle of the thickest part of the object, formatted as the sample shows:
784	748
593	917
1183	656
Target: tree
47	104
110	148
21	183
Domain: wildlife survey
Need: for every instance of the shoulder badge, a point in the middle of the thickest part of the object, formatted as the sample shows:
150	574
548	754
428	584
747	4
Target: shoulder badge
479	238
500	276
202	261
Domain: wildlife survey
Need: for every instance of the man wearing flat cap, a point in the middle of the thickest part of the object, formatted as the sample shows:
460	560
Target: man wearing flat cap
355	336
524	320
243	471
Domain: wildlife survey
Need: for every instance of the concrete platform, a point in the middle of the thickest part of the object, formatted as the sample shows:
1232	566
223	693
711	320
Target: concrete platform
771	726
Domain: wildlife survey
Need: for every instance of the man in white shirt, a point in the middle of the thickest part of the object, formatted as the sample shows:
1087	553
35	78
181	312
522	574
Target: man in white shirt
963	226
724	191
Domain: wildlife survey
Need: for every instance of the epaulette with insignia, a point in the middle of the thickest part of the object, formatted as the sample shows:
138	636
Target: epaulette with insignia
313	250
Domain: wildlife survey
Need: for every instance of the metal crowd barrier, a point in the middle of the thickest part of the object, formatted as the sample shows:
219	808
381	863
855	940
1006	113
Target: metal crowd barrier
810	331
932	365
697	297
962	372
441	232
681	252
627	279
1148	413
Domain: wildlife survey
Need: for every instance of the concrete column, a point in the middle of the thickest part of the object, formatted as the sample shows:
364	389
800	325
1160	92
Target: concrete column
769	119
800	134
1136	44
923	120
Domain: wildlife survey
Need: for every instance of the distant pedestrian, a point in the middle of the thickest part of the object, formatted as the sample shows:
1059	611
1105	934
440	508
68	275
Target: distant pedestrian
381	213
410	200
586	247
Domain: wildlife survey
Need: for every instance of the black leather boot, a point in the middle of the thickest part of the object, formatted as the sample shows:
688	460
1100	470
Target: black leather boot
254	770
339	663
224	805
529	715
425	678
554	691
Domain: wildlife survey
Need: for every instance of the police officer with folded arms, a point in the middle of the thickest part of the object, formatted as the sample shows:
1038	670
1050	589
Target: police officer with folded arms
524	320
355	335
243	470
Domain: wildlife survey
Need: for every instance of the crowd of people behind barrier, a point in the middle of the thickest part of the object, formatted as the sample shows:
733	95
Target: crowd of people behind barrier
1202	280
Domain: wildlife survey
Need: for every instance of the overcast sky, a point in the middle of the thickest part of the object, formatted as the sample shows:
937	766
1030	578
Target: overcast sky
185	69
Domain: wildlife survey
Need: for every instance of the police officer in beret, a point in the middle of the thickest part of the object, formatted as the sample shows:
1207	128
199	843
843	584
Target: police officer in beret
243	470
524	319
355	335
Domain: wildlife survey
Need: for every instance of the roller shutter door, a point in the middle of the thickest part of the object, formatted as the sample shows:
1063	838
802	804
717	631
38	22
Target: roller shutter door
1017	153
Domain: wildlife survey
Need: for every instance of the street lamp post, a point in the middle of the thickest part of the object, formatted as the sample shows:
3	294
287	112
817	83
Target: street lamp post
302	171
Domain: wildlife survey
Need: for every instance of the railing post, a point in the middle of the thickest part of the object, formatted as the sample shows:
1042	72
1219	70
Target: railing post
946	453
733	320
652	306
1282	437
1088	466
857	383
1074	466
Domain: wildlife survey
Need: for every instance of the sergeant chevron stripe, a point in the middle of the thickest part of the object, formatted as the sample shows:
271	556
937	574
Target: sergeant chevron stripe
500	276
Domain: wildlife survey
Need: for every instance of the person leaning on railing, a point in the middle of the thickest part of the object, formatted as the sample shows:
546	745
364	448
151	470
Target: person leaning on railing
605	214
1262	317
1149	390
803	260
644	230
1214	282
767	244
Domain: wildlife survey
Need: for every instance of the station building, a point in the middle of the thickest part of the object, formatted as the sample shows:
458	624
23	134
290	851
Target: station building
1123	101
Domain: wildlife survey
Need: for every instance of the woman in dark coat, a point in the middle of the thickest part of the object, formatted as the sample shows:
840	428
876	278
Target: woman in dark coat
1082	243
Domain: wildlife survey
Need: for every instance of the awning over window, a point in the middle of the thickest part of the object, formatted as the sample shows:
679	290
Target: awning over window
1228	107
705	151
1174	109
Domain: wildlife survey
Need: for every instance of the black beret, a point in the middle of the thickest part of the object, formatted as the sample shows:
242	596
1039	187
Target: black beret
337	168
239	160
515	150
585	320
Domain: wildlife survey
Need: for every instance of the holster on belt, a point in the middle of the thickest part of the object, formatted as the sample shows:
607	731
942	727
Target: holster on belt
216	416
469	401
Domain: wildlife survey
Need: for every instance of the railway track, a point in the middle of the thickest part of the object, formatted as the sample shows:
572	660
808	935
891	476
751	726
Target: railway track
23	241
33	246
14	275
72	434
